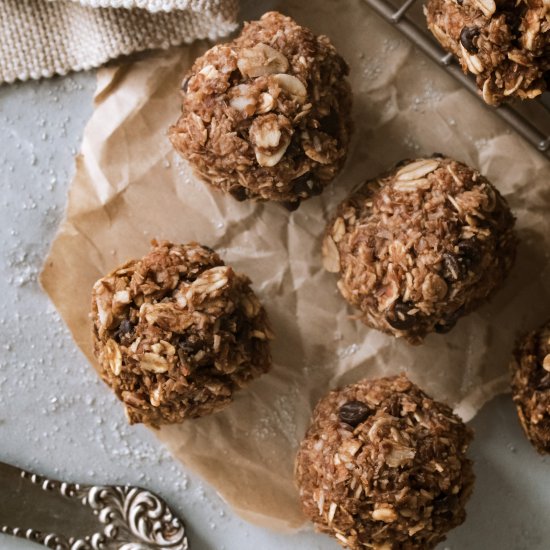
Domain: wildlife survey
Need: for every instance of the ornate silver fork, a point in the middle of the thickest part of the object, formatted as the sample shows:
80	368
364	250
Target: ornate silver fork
70	516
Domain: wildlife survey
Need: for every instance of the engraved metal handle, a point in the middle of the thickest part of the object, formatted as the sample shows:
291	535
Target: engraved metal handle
69	516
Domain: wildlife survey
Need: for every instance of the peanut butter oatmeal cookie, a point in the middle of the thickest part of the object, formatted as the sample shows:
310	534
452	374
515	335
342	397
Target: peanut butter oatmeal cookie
504	43
383	466
177	332
267	116
420	246
531	386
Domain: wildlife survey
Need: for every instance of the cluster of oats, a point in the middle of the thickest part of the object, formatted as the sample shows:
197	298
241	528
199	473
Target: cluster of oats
267	116
384	467
177	332
421	246
531	386
504	43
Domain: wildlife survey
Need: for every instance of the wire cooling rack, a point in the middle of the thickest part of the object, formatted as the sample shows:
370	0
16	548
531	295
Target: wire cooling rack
530	121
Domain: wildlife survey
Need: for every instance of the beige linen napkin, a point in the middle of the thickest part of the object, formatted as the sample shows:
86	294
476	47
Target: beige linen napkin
40	38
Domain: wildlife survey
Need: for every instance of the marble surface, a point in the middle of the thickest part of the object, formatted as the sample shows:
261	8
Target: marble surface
57	419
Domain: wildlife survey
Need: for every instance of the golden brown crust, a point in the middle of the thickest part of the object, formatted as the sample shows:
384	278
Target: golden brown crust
506	44
177	332
267	116
383	466
420	246
531	386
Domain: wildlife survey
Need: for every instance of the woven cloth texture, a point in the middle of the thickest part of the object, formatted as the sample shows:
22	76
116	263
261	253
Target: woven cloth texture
41	38
155	5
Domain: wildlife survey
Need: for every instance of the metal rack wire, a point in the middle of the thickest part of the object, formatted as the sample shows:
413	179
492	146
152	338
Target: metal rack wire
419	35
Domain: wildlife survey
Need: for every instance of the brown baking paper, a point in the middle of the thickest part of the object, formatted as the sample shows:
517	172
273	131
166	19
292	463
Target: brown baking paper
130	187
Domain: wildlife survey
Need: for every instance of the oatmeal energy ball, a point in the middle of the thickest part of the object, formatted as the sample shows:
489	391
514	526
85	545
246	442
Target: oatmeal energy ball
531	386
177	332
384	467
420	246
267	116
504	43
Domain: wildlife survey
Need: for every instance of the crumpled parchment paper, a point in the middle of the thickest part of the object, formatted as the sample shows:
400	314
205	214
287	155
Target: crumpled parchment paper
130	187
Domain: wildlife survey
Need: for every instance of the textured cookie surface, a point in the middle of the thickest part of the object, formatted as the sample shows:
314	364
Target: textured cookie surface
420	246
384	466
505	44
531	386
267	116
177	332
